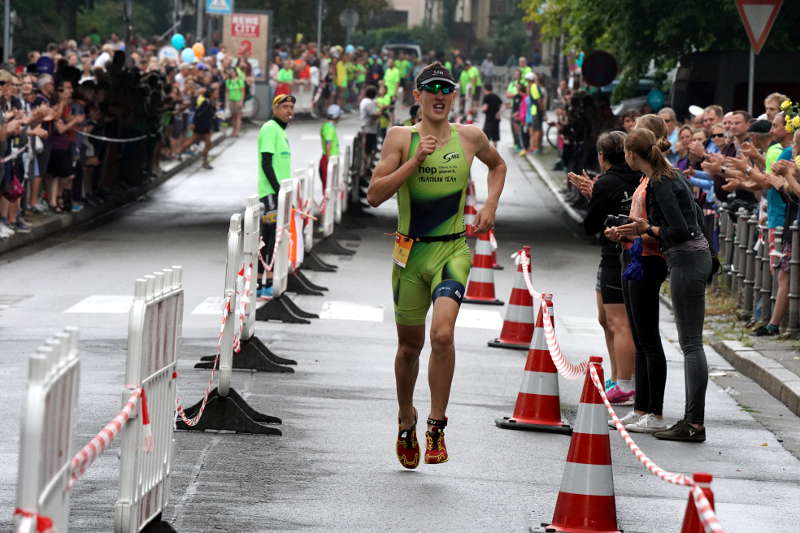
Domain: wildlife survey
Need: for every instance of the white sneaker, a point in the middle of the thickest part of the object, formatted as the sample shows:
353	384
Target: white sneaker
6	231
647	424
627	419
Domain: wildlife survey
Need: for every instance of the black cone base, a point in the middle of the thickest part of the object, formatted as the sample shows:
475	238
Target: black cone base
329	245
483	302
281	308
308	282
299	285
254	343
497	343
229	413
510	423
251	358
312	262
157	525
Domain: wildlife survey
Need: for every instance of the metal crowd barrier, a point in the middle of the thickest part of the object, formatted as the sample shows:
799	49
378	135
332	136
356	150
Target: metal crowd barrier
750	254
154	330
328	208
47	435
335	196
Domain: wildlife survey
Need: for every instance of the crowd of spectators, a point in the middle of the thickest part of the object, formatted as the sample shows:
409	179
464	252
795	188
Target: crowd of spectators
653	188
84	120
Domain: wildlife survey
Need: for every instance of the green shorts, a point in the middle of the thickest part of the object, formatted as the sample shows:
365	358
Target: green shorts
434	269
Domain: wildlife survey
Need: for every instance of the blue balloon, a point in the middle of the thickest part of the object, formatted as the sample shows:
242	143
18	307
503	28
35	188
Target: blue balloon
187	55
349	49
655	99
178	42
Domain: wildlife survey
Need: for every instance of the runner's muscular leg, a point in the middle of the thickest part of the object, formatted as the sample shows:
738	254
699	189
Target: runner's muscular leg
410	340
443	355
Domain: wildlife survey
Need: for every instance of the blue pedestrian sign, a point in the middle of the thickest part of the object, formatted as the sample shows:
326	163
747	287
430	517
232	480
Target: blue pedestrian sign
219	7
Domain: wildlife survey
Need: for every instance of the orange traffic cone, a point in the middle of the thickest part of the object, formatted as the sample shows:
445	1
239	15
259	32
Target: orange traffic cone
494	251
517	330
480	286
691	520
538	406
470	210
586	501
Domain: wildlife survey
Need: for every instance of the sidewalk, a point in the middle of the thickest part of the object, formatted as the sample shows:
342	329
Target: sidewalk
774	364
43	226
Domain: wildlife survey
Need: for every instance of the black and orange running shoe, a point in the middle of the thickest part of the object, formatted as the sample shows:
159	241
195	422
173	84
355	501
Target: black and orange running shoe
435	449
407	445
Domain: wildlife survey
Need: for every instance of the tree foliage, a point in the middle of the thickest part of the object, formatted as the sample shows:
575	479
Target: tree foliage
637	32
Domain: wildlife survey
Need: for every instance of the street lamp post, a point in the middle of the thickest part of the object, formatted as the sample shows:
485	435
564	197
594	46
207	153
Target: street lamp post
6	30
319	26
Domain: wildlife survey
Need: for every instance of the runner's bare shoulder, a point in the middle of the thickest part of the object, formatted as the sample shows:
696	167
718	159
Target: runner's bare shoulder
472	135
398	139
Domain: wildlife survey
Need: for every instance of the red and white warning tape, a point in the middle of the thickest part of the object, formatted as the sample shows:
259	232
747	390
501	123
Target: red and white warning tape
565	368
704	510
86	456
226	313
33	522
571	371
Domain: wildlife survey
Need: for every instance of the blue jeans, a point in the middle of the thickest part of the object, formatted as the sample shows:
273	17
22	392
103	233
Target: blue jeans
689	271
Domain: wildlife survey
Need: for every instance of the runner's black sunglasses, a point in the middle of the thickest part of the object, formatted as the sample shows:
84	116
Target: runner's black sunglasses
436	87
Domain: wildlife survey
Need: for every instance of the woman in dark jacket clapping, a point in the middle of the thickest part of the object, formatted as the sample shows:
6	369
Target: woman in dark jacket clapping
611	194
673	219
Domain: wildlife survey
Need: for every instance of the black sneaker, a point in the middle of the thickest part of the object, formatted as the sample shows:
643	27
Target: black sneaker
682	431
767	330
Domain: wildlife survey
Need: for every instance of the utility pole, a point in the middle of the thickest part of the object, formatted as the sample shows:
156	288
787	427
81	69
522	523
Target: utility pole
199	22
6	30
319	26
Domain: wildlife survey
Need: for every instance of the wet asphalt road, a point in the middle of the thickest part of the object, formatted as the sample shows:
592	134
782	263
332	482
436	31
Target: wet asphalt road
334	468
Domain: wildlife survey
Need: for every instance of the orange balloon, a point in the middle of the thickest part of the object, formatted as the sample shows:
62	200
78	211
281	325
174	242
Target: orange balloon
199	50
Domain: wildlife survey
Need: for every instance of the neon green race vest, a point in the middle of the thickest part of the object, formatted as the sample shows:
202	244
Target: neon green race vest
431	201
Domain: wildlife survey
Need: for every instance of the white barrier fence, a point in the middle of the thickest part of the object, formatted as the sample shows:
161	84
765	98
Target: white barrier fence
308	206
250	244
46	438
154	331
328	207
232	292
280	270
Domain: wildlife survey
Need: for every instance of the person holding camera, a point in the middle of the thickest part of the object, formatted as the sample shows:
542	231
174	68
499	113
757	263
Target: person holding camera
674	219
609	196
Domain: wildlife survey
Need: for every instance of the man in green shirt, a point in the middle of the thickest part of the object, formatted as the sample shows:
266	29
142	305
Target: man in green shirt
391	78
475	80
275	166
234	86
285	78
330	141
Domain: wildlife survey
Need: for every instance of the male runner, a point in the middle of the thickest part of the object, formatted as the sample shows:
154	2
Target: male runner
428	166
275	165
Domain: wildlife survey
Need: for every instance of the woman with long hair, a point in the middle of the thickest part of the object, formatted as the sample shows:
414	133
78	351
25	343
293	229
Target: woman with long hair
674	219
641	285
62	165
610	194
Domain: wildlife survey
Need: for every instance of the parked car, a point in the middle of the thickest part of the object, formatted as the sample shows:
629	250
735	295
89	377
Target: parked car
402	48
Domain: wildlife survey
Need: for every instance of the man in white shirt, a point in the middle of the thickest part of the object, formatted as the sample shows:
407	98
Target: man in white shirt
369	112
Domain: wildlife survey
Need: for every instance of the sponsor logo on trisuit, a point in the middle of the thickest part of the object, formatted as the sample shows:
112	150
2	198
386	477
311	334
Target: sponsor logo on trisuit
449	156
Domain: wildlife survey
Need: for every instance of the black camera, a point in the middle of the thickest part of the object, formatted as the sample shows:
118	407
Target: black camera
613	221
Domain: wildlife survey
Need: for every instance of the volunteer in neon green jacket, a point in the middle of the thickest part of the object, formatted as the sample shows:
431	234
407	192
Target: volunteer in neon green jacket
330	141
275	166
391	78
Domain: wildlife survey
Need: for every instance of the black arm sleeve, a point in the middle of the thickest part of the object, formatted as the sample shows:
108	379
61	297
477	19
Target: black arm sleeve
269	172
600	206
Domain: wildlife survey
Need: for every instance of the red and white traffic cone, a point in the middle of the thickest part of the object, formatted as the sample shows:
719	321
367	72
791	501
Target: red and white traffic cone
691	520
480	286
517	330
493	240
586	502
470	210
538	406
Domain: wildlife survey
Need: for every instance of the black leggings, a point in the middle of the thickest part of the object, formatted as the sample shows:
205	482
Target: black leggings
642	306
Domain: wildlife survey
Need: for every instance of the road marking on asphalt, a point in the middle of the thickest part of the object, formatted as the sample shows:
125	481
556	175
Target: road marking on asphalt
479	319
335	310
210	306
111	304
578	325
